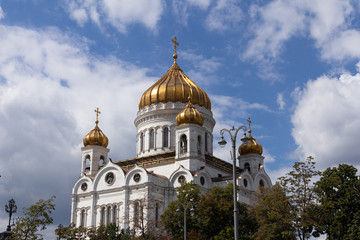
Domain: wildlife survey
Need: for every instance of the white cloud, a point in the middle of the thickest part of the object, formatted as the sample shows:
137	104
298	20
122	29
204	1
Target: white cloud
326	121
327	22
202	4
49	88
2	14
280	101
118	13
226	14
203	68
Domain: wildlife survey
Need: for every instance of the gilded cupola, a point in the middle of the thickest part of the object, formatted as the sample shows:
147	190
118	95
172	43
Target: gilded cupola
250	145
174	86
96	136
189	115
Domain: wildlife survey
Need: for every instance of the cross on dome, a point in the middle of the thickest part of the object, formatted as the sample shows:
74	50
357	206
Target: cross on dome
97	115
249	121
175	46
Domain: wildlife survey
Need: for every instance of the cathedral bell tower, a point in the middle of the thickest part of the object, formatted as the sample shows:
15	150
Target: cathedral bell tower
190	138
250	153
94	152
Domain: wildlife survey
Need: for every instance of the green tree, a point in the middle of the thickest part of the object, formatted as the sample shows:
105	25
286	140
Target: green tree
35	218
273	215
213	216
299	189
338	212
173	217
216	215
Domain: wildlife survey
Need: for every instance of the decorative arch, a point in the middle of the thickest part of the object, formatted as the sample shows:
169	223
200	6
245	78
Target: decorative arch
181	171
100	181
183	144
132	176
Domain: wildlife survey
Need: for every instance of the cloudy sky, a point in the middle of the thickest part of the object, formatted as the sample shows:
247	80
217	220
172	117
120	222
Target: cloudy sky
293	66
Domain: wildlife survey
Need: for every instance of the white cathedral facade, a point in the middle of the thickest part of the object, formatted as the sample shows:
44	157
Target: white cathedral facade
174	145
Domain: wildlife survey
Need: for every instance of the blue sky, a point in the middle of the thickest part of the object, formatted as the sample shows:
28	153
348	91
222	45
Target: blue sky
291	65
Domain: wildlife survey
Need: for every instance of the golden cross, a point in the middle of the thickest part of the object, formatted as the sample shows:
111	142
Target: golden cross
175	43
97	115
249	121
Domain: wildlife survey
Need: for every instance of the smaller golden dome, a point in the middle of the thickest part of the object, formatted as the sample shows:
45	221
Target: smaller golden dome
189	115
250	145
96	136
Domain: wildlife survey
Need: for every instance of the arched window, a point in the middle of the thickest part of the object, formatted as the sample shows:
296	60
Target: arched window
261	184
166	137
206	142
152	139
199	144
183	144
108	219
114	216
82	218
141	142
87	163
102	216
247	166
102	160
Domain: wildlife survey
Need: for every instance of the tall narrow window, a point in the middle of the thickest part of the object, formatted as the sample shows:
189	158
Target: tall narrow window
166	137
108	219
141	142
102	216
206	142
152	139
87	163
136	214
183	144
82	218
199	144
114	216
156	214
247	166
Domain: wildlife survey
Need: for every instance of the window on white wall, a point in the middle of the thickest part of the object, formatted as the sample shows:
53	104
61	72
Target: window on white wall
152	139
206	142
183	144
114	214
102	216
141	142
82	218
166	137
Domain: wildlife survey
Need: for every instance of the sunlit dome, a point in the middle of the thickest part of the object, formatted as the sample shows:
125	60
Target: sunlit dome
96	136
189	115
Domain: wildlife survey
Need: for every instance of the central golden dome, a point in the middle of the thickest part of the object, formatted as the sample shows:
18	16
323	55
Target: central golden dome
174	86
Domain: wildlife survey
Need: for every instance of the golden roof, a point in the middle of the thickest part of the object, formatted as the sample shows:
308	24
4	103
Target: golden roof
250	145
174	86
189	115
96	136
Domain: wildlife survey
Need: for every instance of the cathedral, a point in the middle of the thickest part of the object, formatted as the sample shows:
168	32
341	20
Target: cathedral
174	145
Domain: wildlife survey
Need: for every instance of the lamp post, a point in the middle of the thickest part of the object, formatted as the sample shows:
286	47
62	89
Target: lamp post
222	143
10	208
186	206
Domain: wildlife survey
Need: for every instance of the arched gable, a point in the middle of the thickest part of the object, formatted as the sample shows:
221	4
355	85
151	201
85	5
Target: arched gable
179	174
136	175
80	188
109	176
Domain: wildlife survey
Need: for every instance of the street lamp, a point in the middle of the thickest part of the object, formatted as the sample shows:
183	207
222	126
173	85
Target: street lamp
186	206
10	208
222	143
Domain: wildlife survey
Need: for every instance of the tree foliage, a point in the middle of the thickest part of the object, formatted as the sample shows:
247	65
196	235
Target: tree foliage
338	212
213	216
34	219
299	190
273	215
